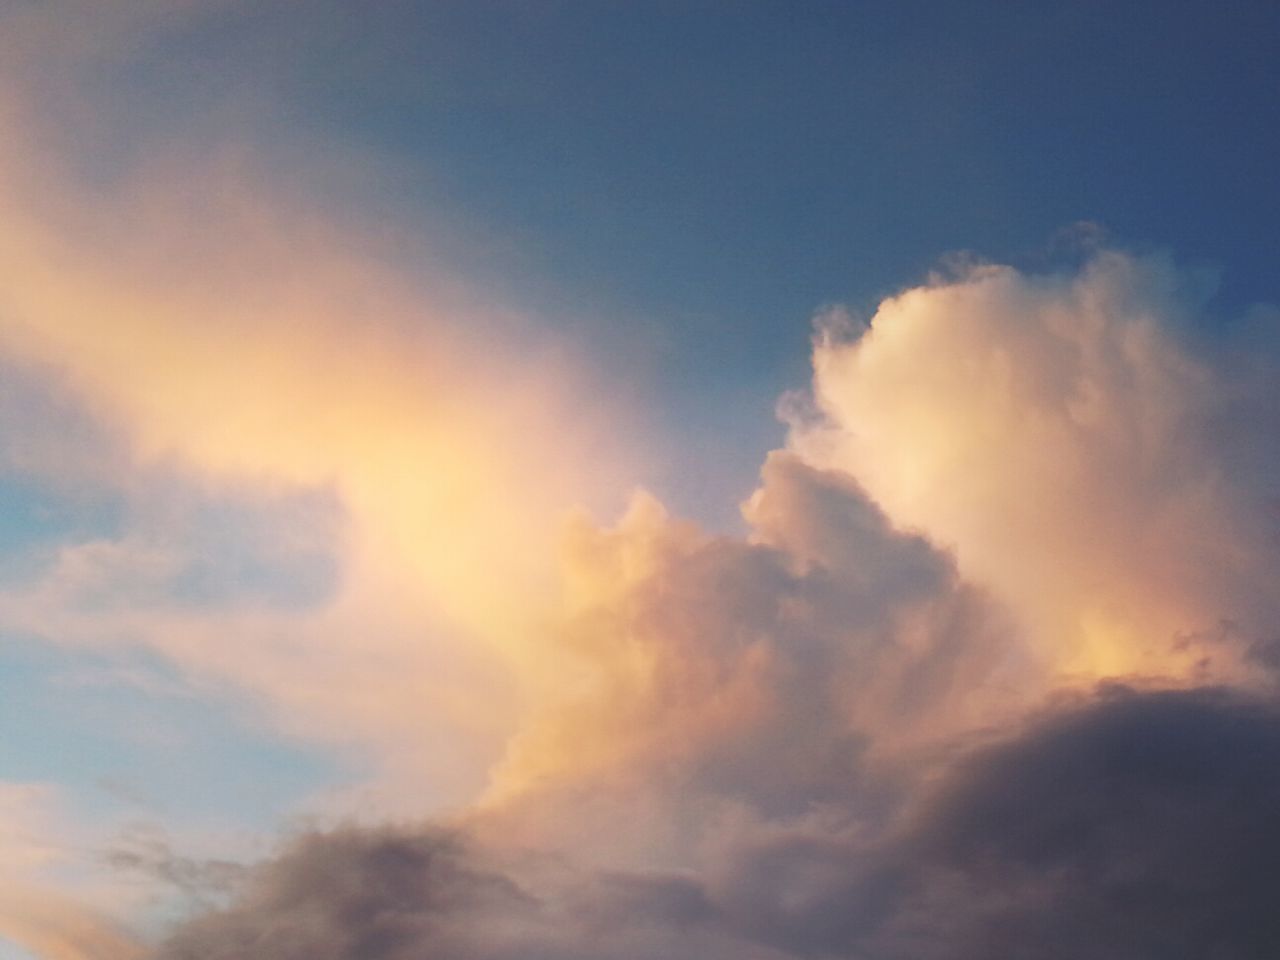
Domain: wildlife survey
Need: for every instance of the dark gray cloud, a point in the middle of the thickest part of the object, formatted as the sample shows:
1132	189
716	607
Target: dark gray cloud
1134	826
371	894
1143	826
1129	826
422	894
145	849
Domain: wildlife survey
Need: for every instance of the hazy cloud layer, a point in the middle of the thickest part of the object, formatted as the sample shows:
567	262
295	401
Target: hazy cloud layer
339	476
53	911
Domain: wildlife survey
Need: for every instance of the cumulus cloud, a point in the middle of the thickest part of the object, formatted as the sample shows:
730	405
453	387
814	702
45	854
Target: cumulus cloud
759	671
989	676
1062	437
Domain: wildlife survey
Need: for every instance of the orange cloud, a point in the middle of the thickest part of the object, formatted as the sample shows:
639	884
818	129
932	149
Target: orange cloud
701	675
55	927
61	924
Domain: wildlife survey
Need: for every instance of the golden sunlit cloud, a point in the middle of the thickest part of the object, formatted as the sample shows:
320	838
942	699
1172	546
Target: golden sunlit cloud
209	318
52	923
1055	434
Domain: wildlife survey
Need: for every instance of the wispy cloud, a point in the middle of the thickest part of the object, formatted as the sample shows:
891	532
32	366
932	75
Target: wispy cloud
50	904
223	337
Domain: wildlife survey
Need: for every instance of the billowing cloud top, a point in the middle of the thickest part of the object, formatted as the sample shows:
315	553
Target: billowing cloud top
991	674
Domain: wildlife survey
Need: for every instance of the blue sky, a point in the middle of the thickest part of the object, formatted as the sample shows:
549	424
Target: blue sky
320	320
690	181
714	174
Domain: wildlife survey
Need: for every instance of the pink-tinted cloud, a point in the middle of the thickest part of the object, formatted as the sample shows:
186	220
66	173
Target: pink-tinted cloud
1060	435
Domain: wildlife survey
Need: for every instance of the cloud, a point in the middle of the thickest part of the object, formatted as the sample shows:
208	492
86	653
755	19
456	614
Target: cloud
393	894
357	893
146	850
888	722
49	903
1133	825
1085	460
339	472
54	927
1129	824
859	731
755	671
1139	826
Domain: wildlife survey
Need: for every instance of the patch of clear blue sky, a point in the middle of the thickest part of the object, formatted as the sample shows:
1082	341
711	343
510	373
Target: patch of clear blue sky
34	516
710	173
123	735
275	551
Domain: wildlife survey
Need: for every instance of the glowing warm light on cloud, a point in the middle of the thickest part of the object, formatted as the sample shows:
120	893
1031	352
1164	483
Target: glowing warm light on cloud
317	371
54	927
1059	439
625	682
207	317
34	913
751	672
314	371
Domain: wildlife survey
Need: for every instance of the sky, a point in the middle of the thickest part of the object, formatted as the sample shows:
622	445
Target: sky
635	480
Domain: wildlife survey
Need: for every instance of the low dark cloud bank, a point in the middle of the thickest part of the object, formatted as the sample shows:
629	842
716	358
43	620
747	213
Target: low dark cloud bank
1145	825
1134	825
